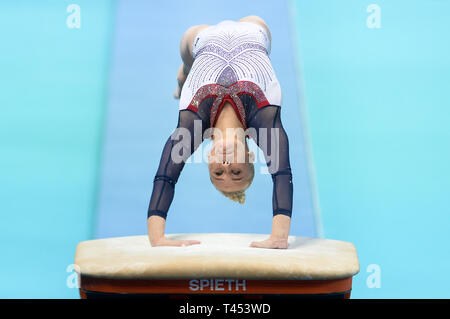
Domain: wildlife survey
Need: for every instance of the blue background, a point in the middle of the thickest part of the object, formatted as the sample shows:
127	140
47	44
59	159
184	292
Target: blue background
85	112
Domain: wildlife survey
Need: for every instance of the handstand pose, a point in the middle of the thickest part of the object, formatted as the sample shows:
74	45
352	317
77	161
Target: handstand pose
228	92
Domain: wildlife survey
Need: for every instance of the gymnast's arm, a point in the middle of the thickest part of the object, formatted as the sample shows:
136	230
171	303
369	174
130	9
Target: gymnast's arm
273	141
179	146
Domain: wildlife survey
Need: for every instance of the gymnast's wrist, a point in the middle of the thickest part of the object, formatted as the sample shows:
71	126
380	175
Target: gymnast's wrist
278	237
159	213
156	238
284	212
155	229
156	241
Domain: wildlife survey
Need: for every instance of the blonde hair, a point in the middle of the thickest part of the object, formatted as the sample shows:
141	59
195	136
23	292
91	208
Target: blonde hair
235	196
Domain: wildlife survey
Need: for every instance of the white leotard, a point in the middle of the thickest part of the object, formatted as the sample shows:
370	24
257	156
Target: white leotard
227	53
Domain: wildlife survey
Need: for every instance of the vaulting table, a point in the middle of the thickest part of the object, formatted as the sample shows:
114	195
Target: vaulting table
222	264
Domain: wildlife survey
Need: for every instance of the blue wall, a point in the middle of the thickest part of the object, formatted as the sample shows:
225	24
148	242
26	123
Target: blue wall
379	117
52	94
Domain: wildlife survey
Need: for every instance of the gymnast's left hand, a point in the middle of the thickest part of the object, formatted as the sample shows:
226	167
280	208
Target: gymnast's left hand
278	239
274	243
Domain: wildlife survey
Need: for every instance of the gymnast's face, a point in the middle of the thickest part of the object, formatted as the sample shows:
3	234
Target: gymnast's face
231	166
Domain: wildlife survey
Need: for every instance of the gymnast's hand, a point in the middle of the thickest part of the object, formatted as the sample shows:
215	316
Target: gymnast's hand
279	237
156	226
163	241
275	243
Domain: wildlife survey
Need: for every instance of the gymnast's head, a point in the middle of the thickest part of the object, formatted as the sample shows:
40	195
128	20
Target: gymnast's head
230	163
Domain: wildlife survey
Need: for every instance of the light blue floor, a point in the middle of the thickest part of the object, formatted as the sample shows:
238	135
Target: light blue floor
142	114
378	103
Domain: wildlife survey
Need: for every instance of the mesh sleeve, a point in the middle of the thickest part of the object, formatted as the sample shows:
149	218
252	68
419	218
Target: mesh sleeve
179	146
272	139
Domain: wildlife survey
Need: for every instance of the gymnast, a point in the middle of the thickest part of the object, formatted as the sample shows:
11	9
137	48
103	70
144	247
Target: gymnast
228	92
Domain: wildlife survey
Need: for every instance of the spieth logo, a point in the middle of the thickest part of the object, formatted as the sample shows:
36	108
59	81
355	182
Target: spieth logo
231	285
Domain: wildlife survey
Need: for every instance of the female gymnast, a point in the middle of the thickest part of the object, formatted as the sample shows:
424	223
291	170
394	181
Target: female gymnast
228	92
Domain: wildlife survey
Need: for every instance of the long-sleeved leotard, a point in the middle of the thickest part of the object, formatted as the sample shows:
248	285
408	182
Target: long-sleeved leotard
265	128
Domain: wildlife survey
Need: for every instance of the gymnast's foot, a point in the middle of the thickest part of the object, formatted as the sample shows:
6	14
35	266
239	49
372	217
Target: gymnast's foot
274	243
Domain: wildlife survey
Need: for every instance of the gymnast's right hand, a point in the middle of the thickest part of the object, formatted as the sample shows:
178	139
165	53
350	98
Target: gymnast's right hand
169	242
156	226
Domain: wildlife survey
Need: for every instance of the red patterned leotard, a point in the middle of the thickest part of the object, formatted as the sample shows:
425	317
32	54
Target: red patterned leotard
231	59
